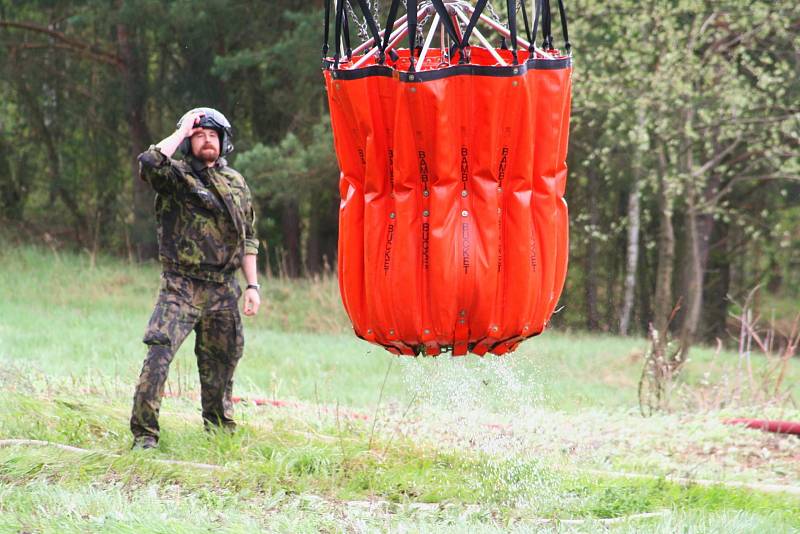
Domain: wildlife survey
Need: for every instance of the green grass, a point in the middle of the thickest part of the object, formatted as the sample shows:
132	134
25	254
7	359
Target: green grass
280	458
456	444
61	316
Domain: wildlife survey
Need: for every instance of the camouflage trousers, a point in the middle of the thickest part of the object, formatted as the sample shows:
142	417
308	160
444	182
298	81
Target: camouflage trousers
211	310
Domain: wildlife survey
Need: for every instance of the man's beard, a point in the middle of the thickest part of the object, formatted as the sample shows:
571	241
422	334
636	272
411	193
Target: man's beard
209	153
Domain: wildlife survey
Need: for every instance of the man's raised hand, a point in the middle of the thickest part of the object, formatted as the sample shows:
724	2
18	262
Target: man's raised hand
187	128
189	124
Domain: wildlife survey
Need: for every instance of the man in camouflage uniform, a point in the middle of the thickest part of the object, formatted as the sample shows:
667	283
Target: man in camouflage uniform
206	232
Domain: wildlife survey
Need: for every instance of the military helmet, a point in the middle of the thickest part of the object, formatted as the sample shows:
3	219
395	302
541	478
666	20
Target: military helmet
214	120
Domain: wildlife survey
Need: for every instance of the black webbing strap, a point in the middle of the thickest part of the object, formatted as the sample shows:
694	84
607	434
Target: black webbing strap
473	21
547	31
390	23
327	28
337	45
438	5
525	20
512	27
536	16
563	14
348	49
373	28
411	6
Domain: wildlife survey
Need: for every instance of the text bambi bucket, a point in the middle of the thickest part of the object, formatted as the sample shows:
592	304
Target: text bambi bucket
453	229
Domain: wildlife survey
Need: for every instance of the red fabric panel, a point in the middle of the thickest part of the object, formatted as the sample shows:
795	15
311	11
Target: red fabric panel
351	258
549	181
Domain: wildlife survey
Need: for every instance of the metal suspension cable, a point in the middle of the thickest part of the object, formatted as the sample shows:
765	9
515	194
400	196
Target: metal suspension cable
385	41
363	31
373	28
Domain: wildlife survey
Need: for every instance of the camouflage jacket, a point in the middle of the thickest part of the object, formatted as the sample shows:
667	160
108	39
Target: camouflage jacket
206	222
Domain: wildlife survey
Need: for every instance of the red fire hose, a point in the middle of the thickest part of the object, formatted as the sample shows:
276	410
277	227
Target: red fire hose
779	427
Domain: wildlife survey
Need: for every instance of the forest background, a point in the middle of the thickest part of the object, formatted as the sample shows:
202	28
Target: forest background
684	153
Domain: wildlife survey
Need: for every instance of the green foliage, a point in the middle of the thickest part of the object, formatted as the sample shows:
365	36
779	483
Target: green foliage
700	97
294	169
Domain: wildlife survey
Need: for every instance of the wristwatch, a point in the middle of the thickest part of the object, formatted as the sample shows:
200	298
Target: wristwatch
254	286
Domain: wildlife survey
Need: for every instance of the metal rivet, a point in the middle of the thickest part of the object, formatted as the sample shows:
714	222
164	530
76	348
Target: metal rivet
515	83
426	213
411	77
462	313
524	327
499	189
391	332
461	321
464	213
425	193
391	215
516	71
464	193
413	89
369	331
494	329
427	331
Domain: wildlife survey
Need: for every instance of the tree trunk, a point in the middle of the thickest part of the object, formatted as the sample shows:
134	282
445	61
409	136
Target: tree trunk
290	228
12	193
590	280
313	252
717	285
632	259
698	230
329	239
691	295
614	268
699	225
645	282
133	73
322	241
663	305
54	162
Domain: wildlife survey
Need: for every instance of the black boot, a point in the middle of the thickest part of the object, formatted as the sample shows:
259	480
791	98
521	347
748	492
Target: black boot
144	442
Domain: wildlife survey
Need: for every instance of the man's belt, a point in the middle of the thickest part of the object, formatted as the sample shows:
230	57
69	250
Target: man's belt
210	273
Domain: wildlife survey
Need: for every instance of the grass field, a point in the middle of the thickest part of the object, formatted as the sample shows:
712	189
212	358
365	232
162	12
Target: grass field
356	440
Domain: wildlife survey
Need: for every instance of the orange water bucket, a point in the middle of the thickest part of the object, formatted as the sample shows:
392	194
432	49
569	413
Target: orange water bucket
453	229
